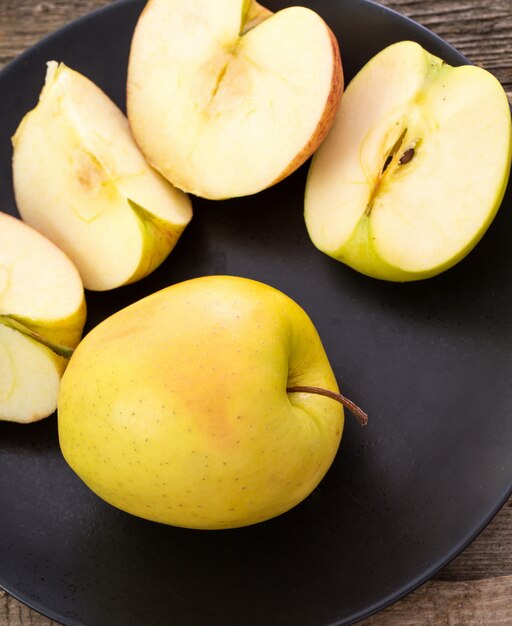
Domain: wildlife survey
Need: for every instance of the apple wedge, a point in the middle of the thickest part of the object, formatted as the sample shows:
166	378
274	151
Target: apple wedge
226	98
415	167
80	179
42	314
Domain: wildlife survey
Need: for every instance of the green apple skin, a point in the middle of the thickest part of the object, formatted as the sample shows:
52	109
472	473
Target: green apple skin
80	180
176	409
413	220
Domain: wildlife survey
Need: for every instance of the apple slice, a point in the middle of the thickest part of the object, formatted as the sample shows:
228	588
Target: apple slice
80	179
415	168
226	98
42	314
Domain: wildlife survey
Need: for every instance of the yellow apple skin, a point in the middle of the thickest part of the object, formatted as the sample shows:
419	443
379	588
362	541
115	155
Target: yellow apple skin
81	181
175	409
410	221
42	296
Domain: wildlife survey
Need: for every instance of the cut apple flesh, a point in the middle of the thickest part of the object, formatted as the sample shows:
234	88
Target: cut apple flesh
80	179
413	172
41	295
226	98
29	378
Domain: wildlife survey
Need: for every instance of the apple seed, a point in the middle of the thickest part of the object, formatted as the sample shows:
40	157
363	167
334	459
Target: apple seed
406	156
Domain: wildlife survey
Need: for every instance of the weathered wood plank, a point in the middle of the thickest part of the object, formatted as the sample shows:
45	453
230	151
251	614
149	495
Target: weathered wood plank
490	555
475	603
13	613
24	22
480	29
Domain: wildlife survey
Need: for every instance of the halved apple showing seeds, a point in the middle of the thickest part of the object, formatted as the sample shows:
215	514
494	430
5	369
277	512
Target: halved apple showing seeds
415	167
80	179
226	98
42	314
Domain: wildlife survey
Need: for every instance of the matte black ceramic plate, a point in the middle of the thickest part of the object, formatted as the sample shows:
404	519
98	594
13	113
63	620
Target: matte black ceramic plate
430	361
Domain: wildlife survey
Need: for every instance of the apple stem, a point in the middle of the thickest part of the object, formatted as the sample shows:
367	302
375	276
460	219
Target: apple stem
360	415
11	322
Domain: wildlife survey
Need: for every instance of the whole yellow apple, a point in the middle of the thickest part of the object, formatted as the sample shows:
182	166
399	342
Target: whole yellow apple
185	407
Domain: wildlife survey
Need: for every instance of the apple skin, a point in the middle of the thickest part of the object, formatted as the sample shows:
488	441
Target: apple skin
175	409
81	181
227	99
42	315
414	220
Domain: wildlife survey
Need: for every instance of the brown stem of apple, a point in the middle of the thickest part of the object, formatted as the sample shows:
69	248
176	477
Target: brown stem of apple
11	322
360	415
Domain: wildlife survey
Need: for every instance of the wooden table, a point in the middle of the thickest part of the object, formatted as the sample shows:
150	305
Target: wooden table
476	588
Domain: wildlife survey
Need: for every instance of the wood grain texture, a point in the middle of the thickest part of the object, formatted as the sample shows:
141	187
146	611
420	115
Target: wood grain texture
476	588
24	22
481	30
476	603
13	613
489	556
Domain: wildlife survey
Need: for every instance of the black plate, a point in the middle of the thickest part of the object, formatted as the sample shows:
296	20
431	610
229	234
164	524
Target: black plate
430	361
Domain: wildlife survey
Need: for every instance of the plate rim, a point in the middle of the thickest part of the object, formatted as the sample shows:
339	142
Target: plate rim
448	557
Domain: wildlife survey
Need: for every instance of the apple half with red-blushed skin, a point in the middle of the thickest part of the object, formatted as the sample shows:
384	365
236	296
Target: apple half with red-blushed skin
42	315
227	98
80	179
414	169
